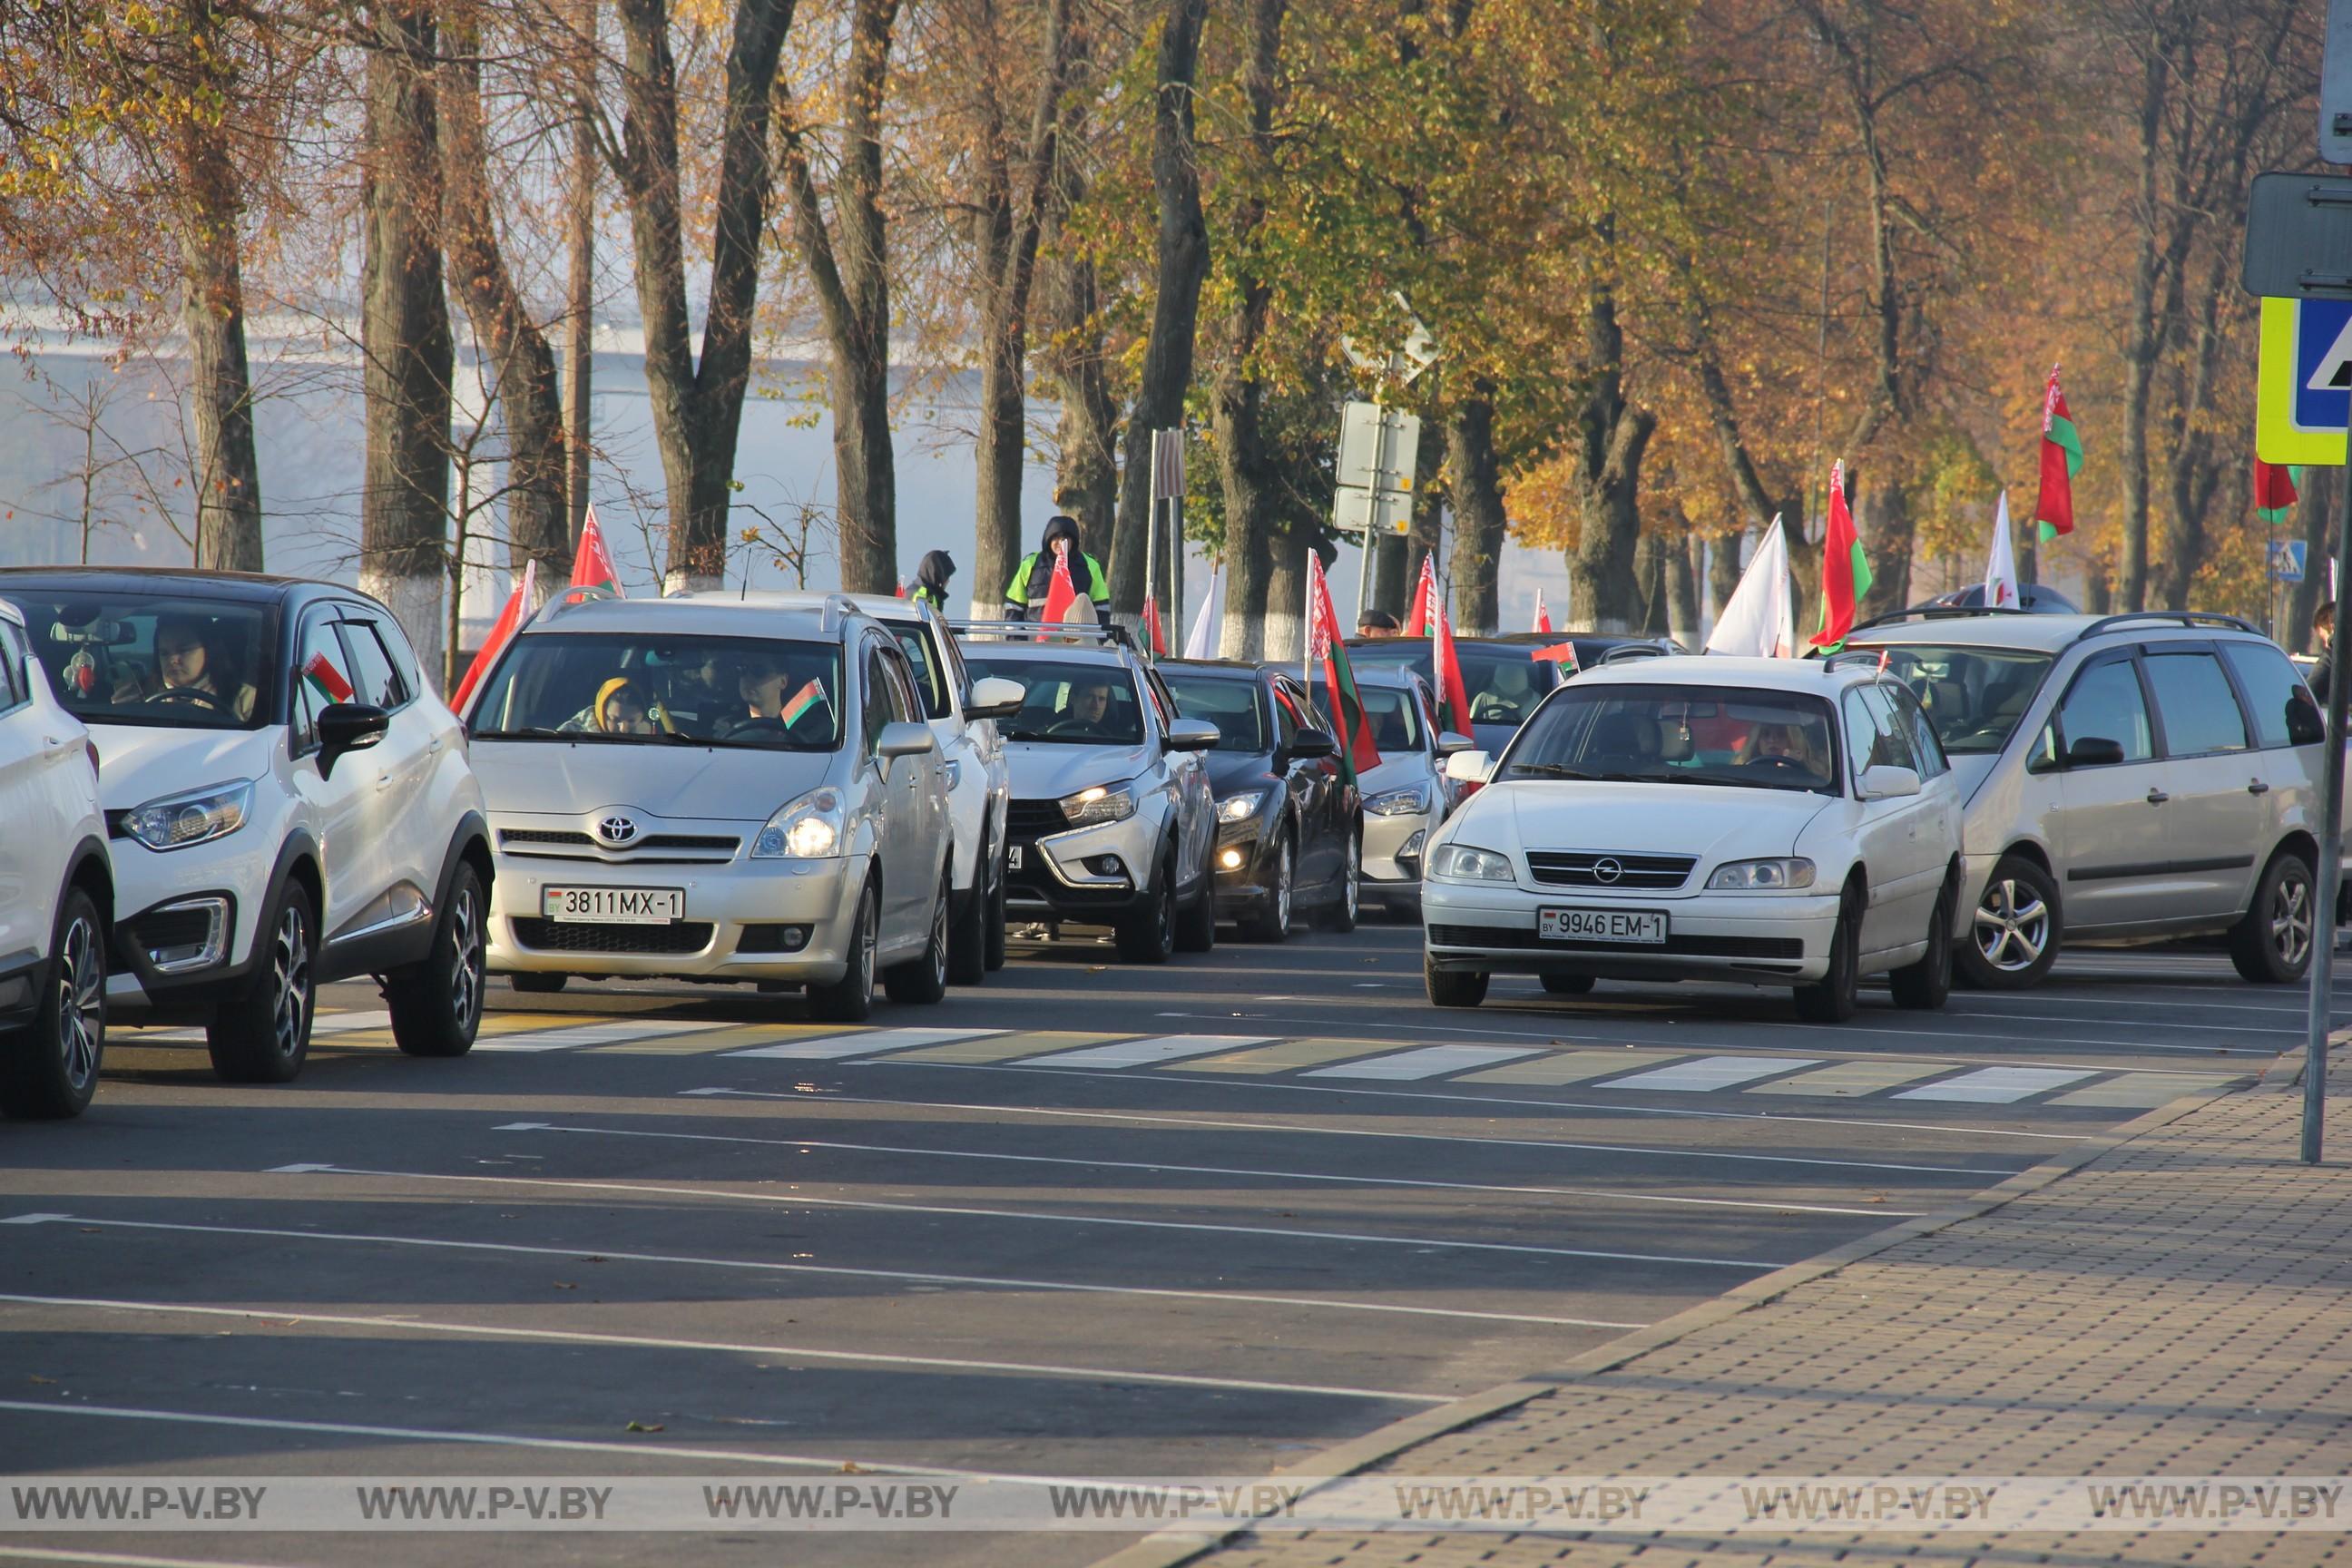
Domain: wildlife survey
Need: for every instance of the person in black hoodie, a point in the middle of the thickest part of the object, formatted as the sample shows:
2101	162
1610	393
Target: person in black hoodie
1024	597
932	576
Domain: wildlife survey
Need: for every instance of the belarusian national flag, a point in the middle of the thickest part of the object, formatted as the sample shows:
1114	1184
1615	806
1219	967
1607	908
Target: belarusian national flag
1448	666
1424	599
1060	592
592	563
801	701
1327	648
2061	459
1845	570
1543	616
502	631
1559	653
324	678
2274	491
1151	625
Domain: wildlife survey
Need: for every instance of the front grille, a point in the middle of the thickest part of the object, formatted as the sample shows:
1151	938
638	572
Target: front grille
1027	819
544	835
1642	873
1773	947
697	846
600	936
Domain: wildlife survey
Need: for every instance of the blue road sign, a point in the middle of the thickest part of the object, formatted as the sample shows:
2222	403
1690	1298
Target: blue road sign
2322	364
2288	557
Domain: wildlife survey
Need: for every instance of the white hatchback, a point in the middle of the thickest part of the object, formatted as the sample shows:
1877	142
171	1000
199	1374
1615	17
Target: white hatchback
1755	820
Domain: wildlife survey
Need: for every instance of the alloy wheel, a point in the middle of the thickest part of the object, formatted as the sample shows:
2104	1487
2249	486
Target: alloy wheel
1281	887
2010	933
289	974
939	953
2291	920
81	1002
1354	891
468	959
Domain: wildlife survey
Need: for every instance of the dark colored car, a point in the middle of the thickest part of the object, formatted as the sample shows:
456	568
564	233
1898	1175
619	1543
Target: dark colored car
1501	675
1289	830
2034	598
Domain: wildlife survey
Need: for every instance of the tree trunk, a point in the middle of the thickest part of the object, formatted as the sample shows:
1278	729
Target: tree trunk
404	332
1682	592
1285	597
1611	435
227	475
1723	569
1475	475
697	409
2154	305
1183	262
2316	509
1238	406
1883	517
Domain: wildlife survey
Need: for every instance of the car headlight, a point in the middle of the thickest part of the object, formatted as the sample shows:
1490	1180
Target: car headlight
1400	802
1093	807
1761	876
812	827
1468	863
1239	808
177	821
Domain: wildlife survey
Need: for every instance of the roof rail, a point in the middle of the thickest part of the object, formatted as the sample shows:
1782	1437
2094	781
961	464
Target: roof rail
1626	650
1039	631
2174	617
838	608
1937	612
1876	658
572	598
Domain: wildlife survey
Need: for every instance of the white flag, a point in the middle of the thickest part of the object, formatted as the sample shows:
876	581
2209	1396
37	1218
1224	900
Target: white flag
1201	642
2000	590
1760	620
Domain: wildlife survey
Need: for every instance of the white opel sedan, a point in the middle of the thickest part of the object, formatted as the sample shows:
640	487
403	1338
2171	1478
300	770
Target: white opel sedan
1768	821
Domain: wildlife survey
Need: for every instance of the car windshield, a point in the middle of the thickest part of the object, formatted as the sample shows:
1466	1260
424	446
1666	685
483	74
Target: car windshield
1503	680
1230	702
636	690
185	663
1395	719
1670	734
1065	701
1974	695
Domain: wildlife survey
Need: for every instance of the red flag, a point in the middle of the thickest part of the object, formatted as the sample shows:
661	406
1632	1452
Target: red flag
1326	647
2274	491
1151	622
2061	459
1845	570
902	590
1061	593
502	631
1543	618
1559	653
1424	599
591	564
1449	673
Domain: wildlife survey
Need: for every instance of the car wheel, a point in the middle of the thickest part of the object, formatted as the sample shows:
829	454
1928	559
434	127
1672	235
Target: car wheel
923	979
1149	935
263	1033
1196	928
2012	939
1451	987
1568	985
1270	921
50	1068
1340	916
437	1006
849	999
2272	945
967	943
538	985
1832	998
1927	985
995	923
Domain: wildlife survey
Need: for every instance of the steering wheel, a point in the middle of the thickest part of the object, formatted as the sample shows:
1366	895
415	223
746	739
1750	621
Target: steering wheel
1779	764
173	694
764	725
1071	727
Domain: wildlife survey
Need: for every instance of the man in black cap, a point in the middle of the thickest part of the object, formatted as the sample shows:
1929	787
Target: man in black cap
1024	597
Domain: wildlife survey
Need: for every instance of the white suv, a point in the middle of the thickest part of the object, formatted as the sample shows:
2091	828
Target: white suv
56	894
286	801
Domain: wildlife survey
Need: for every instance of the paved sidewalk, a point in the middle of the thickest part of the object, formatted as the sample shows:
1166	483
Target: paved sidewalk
2181	1303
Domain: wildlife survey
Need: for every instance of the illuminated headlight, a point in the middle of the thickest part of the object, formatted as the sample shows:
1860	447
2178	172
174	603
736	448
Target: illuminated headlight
809	828
178	821
1399	801
1239	808
1468	863
1093	807
1761	877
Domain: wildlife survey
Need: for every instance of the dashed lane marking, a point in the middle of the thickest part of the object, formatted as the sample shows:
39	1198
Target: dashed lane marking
1996	1085
1570	1066
1712	1072
1283	1055
1146	1052
719	1039
869	1041
1430	1062
1849	1079
1002	1047
633	1029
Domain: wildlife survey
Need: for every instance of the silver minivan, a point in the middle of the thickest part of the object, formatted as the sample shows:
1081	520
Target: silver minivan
2127	778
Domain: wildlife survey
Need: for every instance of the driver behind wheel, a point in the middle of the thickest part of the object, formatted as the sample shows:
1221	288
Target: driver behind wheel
191	667
1505	698
773	691
1088	705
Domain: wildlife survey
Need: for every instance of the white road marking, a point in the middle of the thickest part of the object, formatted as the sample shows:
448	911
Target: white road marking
1995	1085
116	1559
566	1038
1160	1166
1140	1053
823	1047
842	1271
1712	1073
807	1353
1430	1062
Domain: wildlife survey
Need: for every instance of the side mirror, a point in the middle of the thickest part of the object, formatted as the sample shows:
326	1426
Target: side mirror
1449	743
905	739
994	697
2094	751
1472	767
348	727
1887	782
1192	735
1309	744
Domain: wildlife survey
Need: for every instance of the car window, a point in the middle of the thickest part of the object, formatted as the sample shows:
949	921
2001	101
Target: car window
403	657
2200	713
1894	748
1065	701
1287	719
154	660
11	668
881	701
932	683
322	678
1162	702
1395	719
906	701
2105	704
2286	713
1925	744
639	688
1229	702
373	679
1974	695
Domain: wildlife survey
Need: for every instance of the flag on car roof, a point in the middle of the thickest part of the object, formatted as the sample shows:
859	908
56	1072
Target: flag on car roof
592	563
1060	592
502	631
1424	598
2061	459
1845	569
1201	642
1447	664
1327	647
1151	626
1559	653
2274	491
1543	615
2000	586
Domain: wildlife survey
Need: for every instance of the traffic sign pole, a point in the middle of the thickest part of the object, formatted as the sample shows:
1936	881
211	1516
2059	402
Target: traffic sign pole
2331	854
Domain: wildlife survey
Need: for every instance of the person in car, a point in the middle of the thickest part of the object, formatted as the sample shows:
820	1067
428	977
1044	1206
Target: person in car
1088	707
1787	742
1509	697
191	667
772	690
621	709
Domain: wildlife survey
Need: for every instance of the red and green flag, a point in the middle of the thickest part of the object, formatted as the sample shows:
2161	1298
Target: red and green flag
1845	570
2061	459
1446	664
321	677
1327	648
592	563
801	701
2275	490
1424	599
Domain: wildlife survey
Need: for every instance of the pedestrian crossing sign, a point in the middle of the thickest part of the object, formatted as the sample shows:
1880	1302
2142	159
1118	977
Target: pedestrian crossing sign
2303	397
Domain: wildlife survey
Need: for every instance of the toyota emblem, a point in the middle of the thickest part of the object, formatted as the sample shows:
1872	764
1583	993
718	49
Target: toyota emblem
1607	869
616	830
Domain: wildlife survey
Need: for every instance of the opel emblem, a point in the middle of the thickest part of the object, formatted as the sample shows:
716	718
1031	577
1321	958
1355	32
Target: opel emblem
616	830
1607	869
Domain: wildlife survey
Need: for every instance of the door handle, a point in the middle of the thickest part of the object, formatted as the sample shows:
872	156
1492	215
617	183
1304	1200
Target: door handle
2156	797
383	781
435	747
2258	787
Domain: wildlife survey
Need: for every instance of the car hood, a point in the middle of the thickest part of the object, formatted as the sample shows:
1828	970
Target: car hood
137	763
1715	821
562	778
1398	772
1045	770
1231	771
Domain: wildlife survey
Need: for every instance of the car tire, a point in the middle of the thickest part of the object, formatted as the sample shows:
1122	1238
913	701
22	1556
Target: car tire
2013	932
262	1034
436	1007
1270	921
538	985
1341	914
1196	928
923	979
850	999
968	942
2271	944
1452	987
1149	934
48	1069
1833	997
1568	985
1927	985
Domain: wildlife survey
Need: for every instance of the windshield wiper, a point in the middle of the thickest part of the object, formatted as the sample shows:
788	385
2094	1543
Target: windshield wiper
527	732
1554	771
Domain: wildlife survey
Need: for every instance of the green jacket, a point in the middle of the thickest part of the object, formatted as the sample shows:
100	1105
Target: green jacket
1026	595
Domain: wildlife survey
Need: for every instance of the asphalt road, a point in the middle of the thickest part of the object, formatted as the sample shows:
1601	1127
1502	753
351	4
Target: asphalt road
1100	1220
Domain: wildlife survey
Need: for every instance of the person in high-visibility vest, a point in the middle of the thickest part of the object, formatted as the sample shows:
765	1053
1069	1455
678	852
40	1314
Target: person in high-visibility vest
1024	597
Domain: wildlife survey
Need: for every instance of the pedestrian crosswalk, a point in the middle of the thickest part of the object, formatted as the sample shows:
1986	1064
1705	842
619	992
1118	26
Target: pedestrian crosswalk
1334	1063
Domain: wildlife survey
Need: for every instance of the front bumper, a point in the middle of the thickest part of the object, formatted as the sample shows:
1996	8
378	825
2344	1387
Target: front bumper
788	920
184	935
1392	852
1087	875
1766	938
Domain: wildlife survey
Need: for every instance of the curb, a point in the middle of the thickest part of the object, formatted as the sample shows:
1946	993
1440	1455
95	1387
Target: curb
1169	1549
2286	1072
